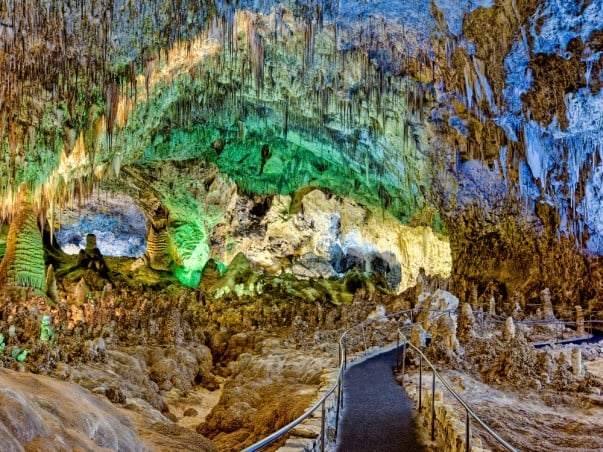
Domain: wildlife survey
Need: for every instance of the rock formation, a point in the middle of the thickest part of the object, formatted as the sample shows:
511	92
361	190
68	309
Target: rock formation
290	166
23	261
509	329
466	324
580	321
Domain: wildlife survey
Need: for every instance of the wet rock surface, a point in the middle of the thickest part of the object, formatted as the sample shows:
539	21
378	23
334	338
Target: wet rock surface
42	413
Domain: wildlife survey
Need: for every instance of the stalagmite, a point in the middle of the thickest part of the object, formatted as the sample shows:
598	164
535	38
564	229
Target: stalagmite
518	302
580	321
51	285
509	329
158	253
577	367
466	324
473	296
492	306
445	334
547	304
421	286
80	293
548	366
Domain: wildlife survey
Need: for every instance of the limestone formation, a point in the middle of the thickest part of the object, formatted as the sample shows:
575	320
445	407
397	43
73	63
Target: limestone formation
331	154
158	252
547	367
440	300
23	262
51	285
509	329
580	321
80	294
46	330
466	324
444	344
473	297
492	305
577	366
547	304
517	303
418	336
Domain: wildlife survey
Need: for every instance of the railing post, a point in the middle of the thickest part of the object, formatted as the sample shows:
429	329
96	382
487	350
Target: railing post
345	354
338	405
403	360
468	434
322	429
433	406
590	324
398	351
420	381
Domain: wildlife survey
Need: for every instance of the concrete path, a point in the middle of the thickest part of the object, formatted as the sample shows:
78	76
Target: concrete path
377	414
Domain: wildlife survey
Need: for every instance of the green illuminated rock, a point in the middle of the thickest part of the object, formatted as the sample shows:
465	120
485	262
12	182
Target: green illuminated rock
23	263
46	331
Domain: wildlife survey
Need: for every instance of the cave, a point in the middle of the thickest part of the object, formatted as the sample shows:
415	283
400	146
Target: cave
213	213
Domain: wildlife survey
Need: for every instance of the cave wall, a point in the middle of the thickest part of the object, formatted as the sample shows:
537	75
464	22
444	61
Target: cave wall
480	119
519	151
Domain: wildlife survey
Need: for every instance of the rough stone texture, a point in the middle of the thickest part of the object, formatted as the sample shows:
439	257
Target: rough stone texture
441	300
154	349
114	218
547	304
444	344
331	234
503	140
23	262
495	167
418	336
252	404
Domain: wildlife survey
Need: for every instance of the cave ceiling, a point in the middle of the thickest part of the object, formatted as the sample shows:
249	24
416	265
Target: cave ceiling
481	119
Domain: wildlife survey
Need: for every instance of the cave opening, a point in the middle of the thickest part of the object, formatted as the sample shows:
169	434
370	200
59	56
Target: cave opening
114	218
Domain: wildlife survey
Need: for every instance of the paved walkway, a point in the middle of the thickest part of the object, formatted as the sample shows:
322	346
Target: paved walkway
377	413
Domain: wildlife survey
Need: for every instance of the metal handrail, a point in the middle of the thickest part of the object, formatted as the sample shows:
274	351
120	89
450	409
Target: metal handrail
468	410
284	430
343	359
337	386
